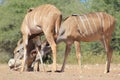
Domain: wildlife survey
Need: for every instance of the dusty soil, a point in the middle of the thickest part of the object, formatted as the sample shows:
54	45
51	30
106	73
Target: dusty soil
89	72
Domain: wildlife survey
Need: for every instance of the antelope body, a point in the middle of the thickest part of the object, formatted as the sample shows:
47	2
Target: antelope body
97	26
43	19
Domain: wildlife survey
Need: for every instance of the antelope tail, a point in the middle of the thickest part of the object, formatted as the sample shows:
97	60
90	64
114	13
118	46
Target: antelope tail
57	24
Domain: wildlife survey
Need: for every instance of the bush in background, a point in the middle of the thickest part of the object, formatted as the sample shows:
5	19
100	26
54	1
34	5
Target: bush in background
13	11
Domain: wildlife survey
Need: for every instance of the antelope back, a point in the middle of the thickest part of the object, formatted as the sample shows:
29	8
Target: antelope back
39	19
88	27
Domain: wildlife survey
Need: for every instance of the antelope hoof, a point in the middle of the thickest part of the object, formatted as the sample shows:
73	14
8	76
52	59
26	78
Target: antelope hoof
61	70
54	69
22	69
106	71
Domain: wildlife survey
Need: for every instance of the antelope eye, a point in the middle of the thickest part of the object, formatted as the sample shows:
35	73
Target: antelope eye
62	32
18	51
22	48
47	44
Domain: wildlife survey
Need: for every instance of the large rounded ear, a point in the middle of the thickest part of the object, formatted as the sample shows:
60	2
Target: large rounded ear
20	41
30	9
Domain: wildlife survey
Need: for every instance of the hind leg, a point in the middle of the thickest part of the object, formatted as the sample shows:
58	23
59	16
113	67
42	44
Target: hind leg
77	48
106	43
52	43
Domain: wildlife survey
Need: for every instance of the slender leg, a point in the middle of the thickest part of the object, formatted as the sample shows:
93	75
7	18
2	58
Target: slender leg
77	48
37	44
40	56
106	42
38	69
52	43
25	41
67	51
36	66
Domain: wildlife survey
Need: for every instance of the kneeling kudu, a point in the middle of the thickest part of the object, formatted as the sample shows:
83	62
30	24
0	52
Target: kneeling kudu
32	56
97	26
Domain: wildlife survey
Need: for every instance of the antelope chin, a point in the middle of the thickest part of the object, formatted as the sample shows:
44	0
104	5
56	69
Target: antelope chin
14	65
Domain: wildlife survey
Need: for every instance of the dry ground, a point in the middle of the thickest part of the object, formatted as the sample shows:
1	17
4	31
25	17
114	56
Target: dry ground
90	72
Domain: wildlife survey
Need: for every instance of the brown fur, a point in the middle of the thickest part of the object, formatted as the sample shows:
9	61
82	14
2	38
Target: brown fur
32	56
31	53
43	19
97	26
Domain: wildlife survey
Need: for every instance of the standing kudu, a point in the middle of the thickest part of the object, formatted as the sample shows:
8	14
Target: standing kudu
97	26
43	19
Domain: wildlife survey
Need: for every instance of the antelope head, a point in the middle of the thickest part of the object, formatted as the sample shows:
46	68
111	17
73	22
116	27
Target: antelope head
15	63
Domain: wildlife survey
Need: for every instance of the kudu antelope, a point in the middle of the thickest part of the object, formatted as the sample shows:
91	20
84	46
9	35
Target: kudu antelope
43	19
97	26
15	63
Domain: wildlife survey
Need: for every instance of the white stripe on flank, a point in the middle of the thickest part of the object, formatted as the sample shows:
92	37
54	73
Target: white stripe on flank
89	24
39	16
83	24
79	26
99	18
94	23
56	31
102	20
35	23
78	23
109	20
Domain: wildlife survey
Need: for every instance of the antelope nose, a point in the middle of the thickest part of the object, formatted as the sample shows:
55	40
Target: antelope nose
11	63
57	41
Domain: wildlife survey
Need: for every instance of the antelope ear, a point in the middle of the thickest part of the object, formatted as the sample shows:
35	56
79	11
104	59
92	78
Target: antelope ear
20	41
30	9
33	51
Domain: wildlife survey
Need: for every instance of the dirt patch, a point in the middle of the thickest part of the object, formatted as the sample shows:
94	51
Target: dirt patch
72	72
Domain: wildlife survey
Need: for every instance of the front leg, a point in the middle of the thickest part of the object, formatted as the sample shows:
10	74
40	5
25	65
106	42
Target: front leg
37	44
25	42
67	51
36	66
